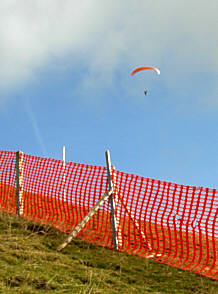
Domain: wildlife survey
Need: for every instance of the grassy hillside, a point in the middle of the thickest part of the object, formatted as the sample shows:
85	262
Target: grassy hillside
29	263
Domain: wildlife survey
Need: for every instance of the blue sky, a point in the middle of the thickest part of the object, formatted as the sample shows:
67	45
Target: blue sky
65	80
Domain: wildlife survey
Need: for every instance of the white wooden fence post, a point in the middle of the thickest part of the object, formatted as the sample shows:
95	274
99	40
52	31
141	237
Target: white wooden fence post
19	182
112	202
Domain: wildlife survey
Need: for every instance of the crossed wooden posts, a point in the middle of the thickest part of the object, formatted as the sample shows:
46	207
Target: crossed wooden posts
113	195
94	209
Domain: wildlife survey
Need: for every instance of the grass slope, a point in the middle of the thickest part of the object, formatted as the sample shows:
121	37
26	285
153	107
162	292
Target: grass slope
29	263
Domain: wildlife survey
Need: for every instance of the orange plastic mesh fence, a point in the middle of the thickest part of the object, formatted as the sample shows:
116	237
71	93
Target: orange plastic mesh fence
7	182
170	223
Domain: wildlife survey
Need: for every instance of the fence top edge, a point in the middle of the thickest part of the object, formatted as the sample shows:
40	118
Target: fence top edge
129	175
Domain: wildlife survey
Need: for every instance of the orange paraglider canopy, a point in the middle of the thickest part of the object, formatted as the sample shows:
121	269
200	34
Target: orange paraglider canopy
144	68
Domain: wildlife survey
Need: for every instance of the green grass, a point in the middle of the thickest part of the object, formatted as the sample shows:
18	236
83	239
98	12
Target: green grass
29	263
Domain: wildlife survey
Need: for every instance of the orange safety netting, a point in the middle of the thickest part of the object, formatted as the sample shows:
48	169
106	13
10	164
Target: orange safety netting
170	223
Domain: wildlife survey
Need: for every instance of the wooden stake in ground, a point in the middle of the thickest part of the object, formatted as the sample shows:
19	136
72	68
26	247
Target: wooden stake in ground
19	182
112	201
84	221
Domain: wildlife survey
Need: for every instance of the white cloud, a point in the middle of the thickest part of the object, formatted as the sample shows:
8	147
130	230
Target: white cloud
105	35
